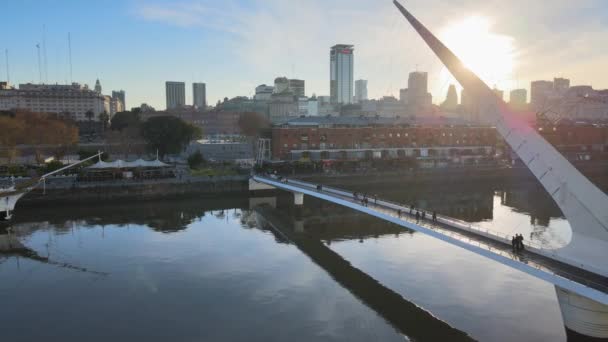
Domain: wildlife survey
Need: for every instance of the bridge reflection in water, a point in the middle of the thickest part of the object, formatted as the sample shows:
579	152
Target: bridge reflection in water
577	285
406	317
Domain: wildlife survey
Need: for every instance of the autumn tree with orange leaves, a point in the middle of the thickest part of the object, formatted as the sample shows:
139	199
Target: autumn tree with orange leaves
36	130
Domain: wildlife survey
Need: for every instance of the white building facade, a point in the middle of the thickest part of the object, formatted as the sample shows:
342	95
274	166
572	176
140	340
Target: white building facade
199	95
360	90
71	100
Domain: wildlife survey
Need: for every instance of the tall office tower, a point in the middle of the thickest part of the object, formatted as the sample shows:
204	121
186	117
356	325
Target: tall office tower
199	95
561	85
518	98
360	90
451	99
120	95
418	97
97	86
341	61
297	87
540	92
176	94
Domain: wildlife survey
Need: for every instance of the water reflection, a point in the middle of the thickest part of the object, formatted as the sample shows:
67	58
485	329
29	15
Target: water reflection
217	264
405	316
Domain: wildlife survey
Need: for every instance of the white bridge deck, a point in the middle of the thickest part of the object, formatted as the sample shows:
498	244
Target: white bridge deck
542	263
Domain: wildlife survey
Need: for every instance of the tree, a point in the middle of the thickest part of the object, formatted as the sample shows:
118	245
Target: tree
168	134
90	115
36	129
104	118
195	160
251	123
122	120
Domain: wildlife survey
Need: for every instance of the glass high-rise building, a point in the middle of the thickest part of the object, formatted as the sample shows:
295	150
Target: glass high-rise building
176	94
199	95
360	90
341	73
120	95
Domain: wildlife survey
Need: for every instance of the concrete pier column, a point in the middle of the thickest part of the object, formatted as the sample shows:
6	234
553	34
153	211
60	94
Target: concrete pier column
298	198
585	319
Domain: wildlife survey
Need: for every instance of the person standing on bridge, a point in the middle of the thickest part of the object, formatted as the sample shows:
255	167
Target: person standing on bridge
417	216
399	213
521	242
434	216
514	241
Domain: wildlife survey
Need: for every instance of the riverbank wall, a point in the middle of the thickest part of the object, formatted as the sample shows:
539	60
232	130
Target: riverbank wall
70	191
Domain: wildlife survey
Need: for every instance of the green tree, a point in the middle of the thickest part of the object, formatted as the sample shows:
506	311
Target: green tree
90	115
104	118
122	120
168	134
196	160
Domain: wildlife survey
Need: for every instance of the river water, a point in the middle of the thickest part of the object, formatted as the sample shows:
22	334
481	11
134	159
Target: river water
260	269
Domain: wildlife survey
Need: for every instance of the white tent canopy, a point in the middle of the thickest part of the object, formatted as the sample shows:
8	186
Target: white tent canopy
121	164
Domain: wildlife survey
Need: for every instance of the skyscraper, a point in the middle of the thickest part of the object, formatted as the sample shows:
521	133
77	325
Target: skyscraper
540	91
518	98
120	95
199	95
298	87
561	85
341	62
360	90
451	100
418	97
176	94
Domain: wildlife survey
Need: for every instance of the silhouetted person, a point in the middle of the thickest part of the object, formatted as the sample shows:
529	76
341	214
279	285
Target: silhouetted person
521	242
417	216
399	213
375	199
514	243
434	216
365	201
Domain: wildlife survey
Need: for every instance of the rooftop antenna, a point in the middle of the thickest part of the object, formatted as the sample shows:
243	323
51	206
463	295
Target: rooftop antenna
8	75
70	55
39	64
46	70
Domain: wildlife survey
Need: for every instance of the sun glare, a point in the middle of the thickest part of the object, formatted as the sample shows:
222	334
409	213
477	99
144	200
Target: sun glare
491	56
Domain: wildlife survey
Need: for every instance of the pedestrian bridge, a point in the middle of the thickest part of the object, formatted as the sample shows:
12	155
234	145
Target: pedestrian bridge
536	260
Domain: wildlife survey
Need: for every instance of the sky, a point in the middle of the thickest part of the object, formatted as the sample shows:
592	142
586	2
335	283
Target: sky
235	45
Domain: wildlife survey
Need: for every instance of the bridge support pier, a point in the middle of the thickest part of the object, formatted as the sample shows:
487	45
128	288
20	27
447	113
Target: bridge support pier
298	198
585	319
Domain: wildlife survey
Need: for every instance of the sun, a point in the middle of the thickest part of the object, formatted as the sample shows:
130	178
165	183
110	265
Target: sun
490	55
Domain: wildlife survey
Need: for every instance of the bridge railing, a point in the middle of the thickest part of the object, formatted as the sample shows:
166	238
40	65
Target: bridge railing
463	225
452	222
456	223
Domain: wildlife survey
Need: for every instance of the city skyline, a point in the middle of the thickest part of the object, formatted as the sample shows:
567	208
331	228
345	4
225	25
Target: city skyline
231	52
